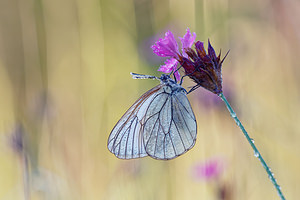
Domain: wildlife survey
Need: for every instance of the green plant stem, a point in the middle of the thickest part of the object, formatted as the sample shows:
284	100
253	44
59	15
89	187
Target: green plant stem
251	142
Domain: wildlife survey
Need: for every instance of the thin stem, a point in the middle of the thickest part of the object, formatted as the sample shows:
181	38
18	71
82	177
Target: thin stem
251	142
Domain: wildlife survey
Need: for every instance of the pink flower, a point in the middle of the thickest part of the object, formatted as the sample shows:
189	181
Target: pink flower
211	169
187	41
168	47
204	68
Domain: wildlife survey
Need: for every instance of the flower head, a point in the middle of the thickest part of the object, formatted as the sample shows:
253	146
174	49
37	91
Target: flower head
203	68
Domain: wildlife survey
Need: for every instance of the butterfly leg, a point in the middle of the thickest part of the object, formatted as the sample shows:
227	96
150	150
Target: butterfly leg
193	88
186	75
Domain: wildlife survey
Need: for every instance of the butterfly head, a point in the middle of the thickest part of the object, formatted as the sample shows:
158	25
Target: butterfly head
167	80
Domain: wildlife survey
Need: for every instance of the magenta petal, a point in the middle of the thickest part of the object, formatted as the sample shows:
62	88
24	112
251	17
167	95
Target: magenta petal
166	46
187	41
170	64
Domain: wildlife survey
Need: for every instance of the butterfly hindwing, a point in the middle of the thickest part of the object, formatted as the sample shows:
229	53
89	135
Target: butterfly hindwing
170	126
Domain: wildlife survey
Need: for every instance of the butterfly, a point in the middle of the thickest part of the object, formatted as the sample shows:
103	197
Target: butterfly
160	124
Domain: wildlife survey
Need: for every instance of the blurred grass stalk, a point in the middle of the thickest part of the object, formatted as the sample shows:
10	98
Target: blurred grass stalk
29	80
25	177
251	142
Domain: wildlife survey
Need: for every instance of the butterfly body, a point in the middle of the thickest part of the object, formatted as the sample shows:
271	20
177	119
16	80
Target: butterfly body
160	124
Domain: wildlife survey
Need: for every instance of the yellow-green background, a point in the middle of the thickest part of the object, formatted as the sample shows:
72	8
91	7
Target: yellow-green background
64	76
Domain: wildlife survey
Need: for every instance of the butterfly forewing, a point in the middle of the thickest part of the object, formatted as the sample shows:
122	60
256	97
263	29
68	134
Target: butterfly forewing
126	140
170	126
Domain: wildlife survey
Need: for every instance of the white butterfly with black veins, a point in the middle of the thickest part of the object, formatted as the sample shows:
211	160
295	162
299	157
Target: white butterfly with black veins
160	124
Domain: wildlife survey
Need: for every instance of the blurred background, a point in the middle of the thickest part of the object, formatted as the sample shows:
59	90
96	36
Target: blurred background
65	82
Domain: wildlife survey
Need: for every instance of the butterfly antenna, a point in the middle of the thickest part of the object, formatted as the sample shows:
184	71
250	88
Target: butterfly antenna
142	76
173	72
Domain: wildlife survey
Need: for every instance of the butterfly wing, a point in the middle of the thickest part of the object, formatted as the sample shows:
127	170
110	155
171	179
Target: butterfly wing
170	126
126	140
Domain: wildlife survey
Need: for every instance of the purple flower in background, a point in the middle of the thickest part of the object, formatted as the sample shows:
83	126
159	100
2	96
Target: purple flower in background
16	139
168	47
208	170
